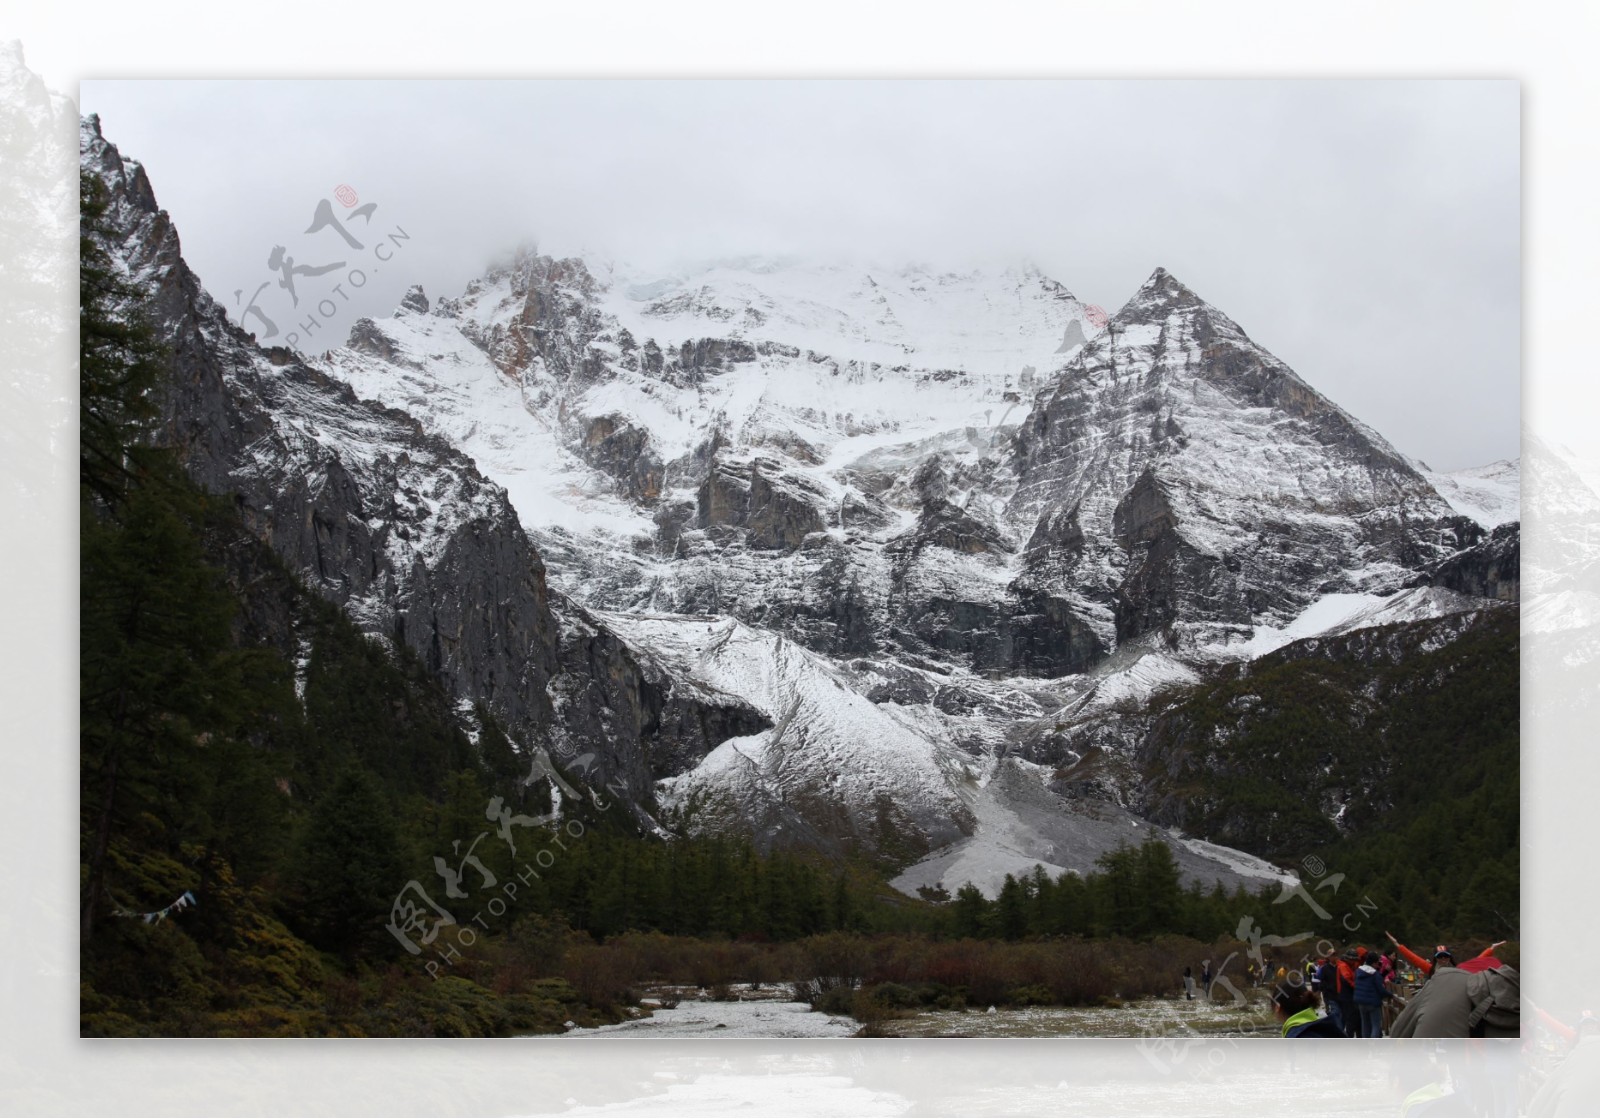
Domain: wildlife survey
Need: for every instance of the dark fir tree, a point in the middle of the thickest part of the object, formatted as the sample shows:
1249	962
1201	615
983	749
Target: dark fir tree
349	868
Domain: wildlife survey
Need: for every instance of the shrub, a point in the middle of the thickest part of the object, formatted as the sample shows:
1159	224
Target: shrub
1034	995
893	996
599	974
872	1006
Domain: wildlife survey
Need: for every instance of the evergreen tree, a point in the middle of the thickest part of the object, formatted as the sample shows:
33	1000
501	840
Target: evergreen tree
349	867
1159	888
1070	909
1118	911
1041	898
843	913
970	912
156	677
1011	909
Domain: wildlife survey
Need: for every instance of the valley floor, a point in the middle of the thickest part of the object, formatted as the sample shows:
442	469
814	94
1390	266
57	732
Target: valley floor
765	1013
1142	1018
768	1012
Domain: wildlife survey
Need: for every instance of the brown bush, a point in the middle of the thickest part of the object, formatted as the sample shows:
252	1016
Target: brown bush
600	974
836	967
837	955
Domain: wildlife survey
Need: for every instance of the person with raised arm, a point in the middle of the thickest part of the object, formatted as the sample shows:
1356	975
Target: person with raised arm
1440	952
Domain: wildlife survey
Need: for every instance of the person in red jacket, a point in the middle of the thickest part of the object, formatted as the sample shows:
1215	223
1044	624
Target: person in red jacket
1344	991
1439	953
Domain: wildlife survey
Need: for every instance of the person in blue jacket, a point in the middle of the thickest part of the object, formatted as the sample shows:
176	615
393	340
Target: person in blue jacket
1370	993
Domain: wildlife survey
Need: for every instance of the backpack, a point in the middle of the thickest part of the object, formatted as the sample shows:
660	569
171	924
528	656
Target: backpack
1496	998
1345	981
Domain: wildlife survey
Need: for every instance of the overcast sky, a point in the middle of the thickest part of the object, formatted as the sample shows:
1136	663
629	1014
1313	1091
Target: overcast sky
1366	232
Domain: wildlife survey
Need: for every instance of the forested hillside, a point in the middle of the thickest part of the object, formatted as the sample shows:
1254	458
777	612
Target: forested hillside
1392	754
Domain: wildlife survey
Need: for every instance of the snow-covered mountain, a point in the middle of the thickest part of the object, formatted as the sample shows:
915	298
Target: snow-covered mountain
685	446
863	559
990	509
1490	495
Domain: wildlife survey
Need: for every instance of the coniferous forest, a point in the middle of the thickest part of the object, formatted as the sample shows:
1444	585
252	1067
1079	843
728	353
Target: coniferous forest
253	805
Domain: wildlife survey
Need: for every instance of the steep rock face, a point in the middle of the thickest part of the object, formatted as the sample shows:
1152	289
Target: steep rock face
1215	488
390	523
1491	568
633	720
774	511
616	447
1168	577
397	527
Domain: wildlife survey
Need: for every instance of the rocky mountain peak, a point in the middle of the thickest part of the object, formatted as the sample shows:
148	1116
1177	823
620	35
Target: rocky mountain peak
1164	299
414	300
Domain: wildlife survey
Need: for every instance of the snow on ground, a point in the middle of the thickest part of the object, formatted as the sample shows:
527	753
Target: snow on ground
851	360
1130	676
1144	1017
452	386
1414	605
1344	613
1325	614
981	321
751	1018
827	743
1246	865
1490	495
1021	823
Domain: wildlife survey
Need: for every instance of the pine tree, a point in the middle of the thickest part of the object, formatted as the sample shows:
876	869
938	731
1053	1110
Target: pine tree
1159	888
1041	894
970	911
349	867
1011	909
1118	909
843	913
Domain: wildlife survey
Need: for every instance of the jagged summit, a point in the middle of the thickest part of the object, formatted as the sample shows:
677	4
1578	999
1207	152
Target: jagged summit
415	299
1162	296
1217	490
1162	287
